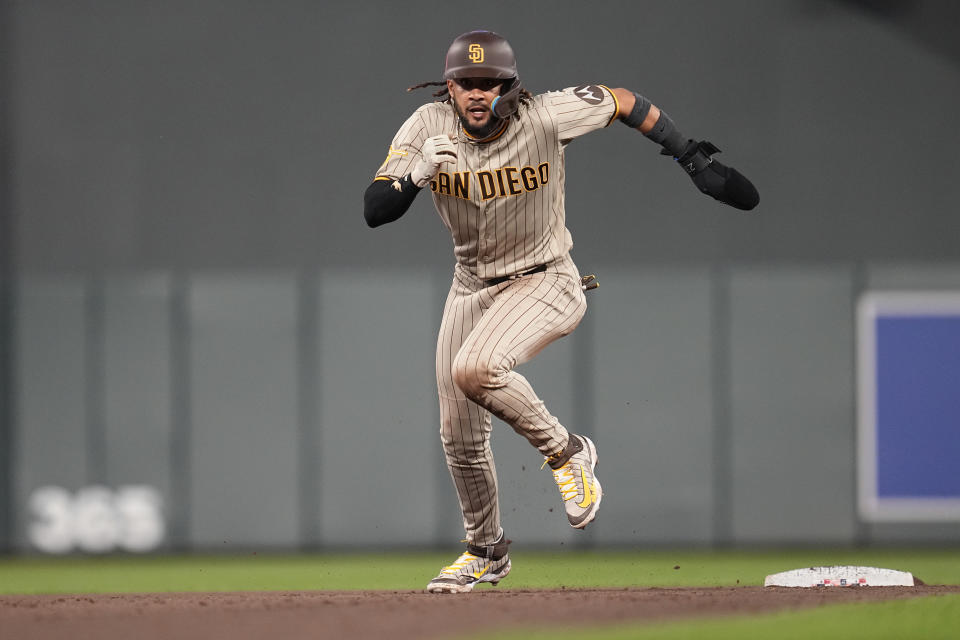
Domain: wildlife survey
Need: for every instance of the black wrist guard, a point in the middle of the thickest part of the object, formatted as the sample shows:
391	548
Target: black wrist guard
715	179
665	134
696	156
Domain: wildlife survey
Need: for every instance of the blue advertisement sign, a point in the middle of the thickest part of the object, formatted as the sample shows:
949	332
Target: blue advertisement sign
909	406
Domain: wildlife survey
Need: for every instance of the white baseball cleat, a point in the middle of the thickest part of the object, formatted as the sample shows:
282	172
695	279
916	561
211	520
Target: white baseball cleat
475	565
573	471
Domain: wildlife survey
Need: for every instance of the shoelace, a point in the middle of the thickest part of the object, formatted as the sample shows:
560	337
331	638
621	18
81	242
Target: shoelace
465	559
565	480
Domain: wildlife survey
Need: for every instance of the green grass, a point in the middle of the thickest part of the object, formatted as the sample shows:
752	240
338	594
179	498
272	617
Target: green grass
405	571
932	618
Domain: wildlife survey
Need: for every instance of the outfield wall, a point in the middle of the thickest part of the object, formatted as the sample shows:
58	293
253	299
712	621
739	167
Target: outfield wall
290	409
203	327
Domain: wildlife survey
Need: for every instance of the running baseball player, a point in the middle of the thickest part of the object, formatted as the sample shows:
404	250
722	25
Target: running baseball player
492	155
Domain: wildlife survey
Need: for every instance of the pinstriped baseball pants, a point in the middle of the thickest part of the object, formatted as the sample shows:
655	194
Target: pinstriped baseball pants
485	333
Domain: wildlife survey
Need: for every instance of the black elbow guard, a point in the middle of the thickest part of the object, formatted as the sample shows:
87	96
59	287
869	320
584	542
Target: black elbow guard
715	179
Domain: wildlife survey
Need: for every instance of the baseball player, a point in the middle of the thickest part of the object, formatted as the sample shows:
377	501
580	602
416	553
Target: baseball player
492	156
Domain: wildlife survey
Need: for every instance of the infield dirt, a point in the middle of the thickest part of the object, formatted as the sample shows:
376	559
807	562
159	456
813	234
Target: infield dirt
398	615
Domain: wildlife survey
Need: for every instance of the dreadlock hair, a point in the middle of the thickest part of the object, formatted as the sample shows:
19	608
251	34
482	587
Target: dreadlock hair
444	94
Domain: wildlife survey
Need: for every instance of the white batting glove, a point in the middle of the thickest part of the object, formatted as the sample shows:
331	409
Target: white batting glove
435	151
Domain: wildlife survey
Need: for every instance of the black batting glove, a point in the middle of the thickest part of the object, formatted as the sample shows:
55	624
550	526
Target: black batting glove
714	178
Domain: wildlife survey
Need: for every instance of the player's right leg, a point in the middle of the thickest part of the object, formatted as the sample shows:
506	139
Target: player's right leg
465	426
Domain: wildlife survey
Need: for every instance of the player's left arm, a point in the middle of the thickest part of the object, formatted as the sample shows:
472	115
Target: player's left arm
712	177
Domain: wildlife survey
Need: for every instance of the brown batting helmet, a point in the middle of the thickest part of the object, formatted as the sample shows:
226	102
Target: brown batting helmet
485	54
480	54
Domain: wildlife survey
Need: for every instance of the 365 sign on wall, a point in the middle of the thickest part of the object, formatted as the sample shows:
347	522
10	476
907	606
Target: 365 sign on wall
96	519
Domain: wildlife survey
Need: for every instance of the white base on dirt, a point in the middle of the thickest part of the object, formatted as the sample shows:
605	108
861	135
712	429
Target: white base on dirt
844	576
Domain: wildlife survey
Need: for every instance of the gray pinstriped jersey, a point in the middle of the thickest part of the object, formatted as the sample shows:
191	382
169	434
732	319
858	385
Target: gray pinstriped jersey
503	201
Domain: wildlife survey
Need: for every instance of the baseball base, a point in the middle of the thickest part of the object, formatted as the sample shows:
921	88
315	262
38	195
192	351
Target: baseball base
841	576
